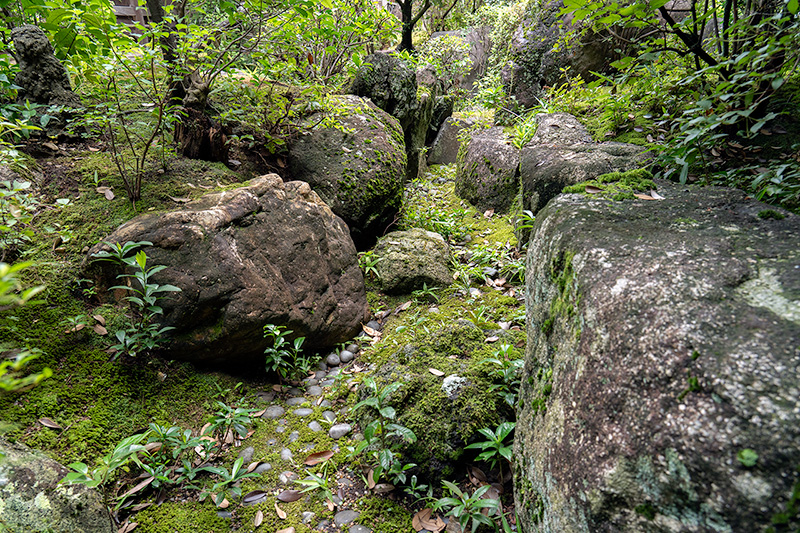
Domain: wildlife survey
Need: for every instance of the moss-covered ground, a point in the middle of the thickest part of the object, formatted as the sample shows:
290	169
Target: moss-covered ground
97	400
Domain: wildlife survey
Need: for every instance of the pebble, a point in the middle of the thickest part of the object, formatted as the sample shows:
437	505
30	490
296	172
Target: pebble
303	411
333	373
287	477
280	429
346	356
322	366
296	401
342	518
327	383
325	403
339	430
330	416
224	514
274	411
353	348
320	374
307	517
247	454
294	391
325	524
263	467
293	436
286	454
333	360
310	382
314	390
266	397
272	442
359	529
374	324
315	427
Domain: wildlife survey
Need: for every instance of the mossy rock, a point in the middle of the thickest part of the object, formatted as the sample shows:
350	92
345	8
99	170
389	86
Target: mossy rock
412	259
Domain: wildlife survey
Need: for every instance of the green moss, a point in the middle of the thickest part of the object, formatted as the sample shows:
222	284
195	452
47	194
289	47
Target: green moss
617	185
771	214
646	510
384	516
184	517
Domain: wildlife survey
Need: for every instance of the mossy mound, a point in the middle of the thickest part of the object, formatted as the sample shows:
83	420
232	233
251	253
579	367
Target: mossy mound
617	185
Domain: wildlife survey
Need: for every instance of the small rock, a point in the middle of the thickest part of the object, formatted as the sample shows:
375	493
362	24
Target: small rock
339	430
322	366
374	324
296	401
320	374
452	385
293	436
247	454
266	397
330	416
346	356
333	373
295	392
352	348
327	383
314	390
280	429
333	360
310	382
287	477
325	403
286	454
314	426
224	514
357	528
342	518
303	411
272	442
324	525
307	517
263	467
274	411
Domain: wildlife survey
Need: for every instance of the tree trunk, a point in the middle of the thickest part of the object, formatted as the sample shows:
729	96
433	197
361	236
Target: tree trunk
408	27
200	137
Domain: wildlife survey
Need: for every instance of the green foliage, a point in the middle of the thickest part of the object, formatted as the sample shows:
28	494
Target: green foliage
449	55
747	457
17	208
523	131
468	508
316	483
285	357
228	421
142	334
230	484
509	371
495	448
420	211
368	263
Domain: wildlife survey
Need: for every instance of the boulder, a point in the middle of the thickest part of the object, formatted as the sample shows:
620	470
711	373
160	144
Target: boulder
32	500
358	168
540	51
268	252
410	259
488	173
445	147
442	110
661	386
392	85
480	46
561	153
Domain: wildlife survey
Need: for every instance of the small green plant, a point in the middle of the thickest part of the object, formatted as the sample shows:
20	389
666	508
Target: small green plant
284	357
17	206
426	294
508	370
524	131
465	508
313	482
494	447
747	457
228	421
368	263
143	334
230	484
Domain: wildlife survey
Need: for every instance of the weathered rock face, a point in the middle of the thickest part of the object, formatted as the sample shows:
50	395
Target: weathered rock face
445	147
31	499
358	169
386	80
269	252
488	176
42	78
409	259
663	340
537	55
561	153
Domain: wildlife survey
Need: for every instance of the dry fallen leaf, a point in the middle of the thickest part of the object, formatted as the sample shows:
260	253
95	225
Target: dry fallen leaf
46	422
151	447
138	487
280	512
331	505
489	213
437	373
100	330
179	200
402	307
476	476
50	146
655	195
252	466
591	189
371	332
644	197
289	496
493	338
383	488
258	414
100	319
127	527
258	519
93	149
277	388
371	479
318	457
224	504
254	497
286	530
424	520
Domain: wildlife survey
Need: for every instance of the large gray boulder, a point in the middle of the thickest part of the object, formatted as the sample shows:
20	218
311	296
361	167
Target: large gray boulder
358	168
31	499
409	260
479	44
268	252
488	172
661	387
444	150
561	153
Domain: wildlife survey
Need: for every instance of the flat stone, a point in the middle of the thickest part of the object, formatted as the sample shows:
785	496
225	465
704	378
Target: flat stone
266	397
327	383
295	401
310	382
287	477
286	454
339	430
315	427
273	411
320	374
352	348
295	392
280	429
293	436
303	411
342	518
333	373
307	517
333	360
225	514
247	454
263	467
330	416
374	324
346	356
314	390
357	528
325	403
